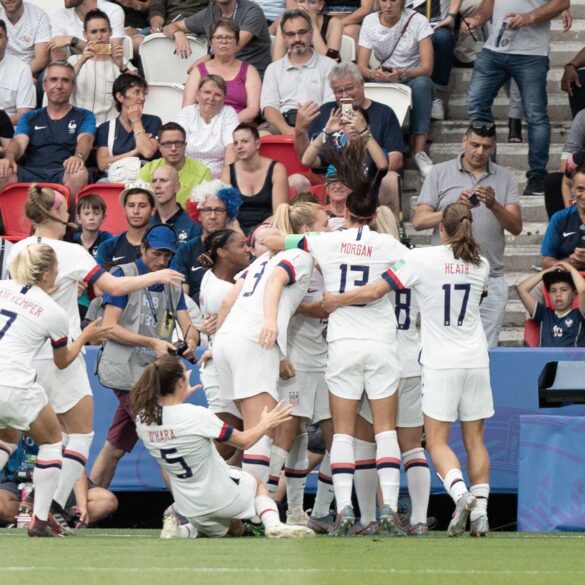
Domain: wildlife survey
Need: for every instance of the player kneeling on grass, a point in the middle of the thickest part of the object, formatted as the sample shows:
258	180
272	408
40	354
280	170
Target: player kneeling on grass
210	494
562	325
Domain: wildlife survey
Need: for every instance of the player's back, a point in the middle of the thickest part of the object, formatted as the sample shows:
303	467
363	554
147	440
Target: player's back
350	259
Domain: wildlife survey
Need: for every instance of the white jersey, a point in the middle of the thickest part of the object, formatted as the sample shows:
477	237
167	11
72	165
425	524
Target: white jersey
75	264
28	317
182	443
246	316
307	348
350	259
212	292
406	312
448	292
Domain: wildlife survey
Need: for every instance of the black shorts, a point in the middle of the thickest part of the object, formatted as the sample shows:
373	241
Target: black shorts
40	175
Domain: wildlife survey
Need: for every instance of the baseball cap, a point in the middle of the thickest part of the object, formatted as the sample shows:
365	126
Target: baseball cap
137	187
554	276
161	237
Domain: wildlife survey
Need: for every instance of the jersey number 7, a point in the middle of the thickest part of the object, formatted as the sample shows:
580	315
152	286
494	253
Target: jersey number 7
447	297
9	321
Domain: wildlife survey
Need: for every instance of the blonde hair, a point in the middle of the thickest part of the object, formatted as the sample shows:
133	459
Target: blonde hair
289	219
456	221
385	222
31	263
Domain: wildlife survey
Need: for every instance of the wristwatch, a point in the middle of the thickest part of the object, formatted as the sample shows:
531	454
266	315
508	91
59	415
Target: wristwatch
73	42
78	154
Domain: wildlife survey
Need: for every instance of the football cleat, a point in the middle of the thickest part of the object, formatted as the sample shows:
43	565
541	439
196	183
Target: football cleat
288	531
390	524
41	529
458	522
170	526
252	528
322	524
59	520
372	529
297	518
344	521
479	527
419	529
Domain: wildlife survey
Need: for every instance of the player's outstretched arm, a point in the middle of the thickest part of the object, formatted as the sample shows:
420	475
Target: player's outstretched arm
123	285
525	287
269	419
274	286
359	296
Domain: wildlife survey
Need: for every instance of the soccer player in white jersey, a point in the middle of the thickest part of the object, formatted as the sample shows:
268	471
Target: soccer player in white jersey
263	300
363	353
209	493
68	390
302	379
449	282
226	254
28	318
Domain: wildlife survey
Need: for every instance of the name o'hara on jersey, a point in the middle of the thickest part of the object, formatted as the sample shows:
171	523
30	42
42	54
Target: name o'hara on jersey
22	302
161	436
356	249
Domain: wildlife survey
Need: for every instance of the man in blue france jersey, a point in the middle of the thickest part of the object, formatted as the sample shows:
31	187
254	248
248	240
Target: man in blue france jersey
51	144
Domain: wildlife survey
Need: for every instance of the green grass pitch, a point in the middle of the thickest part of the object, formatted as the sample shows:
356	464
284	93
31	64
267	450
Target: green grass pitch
139	557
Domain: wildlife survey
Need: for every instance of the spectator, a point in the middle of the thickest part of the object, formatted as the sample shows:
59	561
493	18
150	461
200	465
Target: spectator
143	320
337	193
139	203
165	183
346	80
6	132
327	31
261	182
29	31
209	125
214	205
517	47
56	140
402	43
254	45
560	325
492	193
272	9
97	67
242	80
135	14
128	141
17	90
298	77
573	82
352	13
5	246
564	238
68	26
173	140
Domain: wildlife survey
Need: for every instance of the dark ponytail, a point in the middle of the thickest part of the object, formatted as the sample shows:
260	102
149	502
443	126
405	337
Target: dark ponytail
457	220
213	243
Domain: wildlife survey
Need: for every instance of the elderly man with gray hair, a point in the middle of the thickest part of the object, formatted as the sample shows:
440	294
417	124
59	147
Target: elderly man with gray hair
346	81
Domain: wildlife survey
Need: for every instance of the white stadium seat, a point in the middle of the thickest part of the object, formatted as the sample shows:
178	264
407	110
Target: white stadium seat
347	50
164	100
395	95
160	61
49	6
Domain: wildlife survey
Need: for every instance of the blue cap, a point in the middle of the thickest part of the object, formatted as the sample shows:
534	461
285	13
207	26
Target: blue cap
162	237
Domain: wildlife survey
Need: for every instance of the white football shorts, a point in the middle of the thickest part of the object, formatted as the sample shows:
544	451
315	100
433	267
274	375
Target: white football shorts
210	380
20	407
307	392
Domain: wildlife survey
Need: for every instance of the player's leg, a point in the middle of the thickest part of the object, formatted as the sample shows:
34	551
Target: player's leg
9	439
284	438
295	473
9	501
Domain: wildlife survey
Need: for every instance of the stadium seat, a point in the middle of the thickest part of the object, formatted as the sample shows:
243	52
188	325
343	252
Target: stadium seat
128	48
319	190
12	202
347	50
282	149
164	100
160	61
115	221
395	95
531	333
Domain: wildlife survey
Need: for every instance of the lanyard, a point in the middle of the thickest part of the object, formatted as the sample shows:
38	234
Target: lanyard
151	304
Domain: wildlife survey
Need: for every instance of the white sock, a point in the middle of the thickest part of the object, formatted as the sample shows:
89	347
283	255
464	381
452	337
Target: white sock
295	472
365	480
481	491
267	511
186	531
342	468
6	450
418	477
325	493
388	464
256	459
75	455
454	484
278	457
46	477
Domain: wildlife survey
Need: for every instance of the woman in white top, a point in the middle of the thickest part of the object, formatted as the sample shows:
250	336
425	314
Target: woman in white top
69	390
29	318
401	41
209	125
449	282
181	437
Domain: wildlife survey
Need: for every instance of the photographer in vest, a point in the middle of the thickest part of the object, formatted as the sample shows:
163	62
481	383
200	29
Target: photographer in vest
143	324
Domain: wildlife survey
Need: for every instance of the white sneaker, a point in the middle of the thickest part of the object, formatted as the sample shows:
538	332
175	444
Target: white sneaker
297	517
170	527
287	531
438	110
424	163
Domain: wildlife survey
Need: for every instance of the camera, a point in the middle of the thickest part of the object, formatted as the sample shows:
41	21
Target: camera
180	348
473	200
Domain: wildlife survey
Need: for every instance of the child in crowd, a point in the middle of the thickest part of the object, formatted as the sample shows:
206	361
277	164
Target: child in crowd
562	325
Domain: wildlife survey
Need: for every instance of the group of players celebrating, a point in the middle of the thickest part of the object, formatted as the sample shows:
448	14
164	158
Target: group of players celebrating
320	328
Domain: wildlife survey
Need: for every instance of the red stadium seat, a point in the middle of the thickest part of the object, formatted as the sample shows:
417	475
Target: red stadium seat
115	222
282	149
531	333
12	201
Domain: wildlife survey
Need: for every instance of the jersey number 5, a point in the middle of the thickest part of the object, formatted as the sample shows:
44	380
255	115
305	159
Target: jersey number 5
10	317
166	454
465	288
363	271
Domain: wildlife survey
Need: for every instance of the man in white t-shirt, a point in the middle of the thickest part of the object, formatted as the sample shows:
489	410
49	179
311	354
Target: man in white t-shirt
29	31
17	92
68	26
517	48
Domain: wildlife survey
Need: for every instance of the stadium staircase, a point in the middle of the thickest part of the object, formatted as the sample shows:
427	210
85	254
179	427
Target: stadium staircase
523	251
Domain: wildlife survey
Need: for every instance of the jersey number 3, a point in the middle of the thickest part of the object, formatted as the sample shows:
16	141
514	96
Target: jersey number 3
10	317
362	275
167	455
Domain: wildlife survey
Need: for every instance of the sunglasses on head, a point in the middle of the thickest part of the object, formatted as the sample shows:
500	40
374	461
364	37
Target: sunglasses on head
483	128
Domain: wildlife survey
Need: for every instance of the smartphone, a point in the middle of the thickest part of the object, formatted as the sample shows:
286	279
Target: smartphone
473	199
346	107
102	49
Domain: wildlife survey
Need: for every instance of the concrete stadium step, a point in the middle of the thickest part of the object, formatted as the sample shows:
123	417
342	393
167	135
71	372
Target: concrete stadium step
521	258
513	278
577	10
558	108
515	314
577	32
512	337
562	52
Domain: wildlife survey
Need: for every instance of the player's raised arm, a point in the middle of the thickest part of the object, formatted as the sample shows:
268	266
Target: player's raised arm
359	296
276	282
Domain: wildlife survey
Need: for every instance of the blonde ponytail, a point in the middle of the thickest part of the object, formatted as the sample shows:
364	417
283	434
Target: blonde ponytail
289	219
31	263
